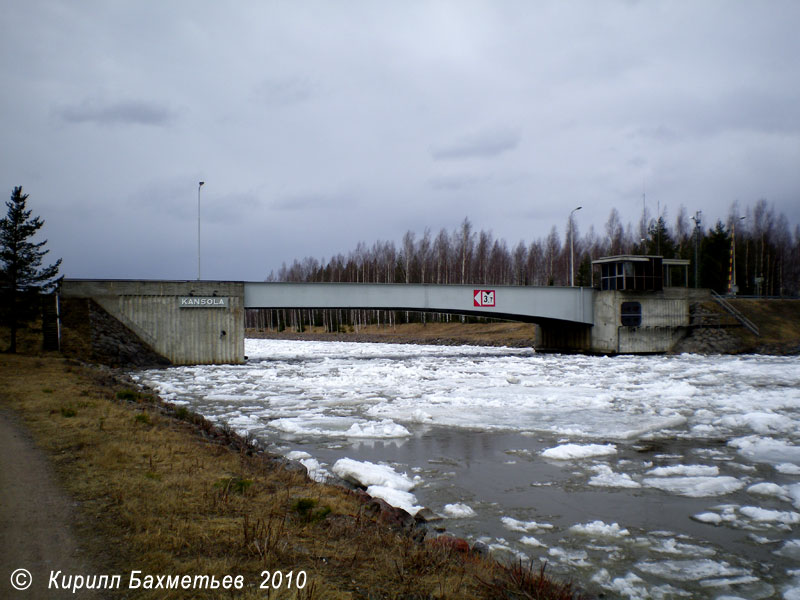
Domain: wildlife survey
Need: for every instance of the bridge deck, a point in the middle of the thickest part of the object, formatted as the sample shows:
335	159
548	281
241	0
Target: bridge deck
521	303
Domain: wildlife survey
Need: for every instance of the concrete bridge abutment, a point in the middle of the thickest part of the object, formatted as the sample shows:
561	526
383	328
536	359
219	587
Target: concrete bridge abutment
186	322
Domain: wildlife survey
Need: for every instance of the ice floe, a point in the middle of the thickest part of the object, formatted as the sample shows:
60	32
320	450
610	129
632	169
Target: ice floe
767	450
525	526
315	470
691	570
458	510
605	476
366	473
695	487
394	497
529	540
576	451
600	529
685	470
764	515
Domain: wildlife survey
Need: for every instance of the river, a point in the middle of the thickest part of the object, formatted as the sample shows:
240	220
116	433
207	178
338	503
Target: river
639	477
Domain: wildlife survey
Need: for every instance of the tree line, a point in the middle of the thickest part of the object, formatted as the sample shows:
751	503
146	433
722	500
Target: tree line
766	250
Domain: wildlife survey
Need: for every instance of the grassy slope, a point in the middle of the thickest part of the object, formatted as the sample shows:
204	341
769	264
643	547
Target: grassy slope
778	322
155	495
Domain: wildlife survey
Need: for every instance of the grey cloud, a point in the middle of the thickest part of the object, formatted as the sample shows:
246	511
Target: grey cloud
283	92
659	133
233	207
485	144
456	183
637	162
126	112
314	201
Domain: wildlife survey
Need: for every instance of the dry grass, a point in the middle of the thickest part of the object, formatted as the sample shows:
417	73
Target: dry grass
778	322
160	491
497	333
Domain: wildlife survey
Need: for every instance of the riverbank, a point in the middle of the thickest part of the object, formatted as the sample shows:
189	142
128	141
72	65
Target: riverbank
713	331
157	489
500	333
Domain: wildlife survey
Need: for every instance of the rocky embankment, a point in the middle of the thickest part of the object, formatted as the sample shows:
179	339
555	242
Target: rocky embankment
714	331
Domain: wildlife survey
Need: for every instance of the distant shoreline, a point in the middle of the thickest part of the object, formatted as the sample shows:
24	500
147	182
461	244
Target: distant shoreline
515	335
778	321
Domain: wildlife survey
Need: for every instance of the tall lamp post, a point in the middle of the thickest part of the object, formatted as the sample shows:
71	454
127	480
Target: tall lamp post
696	219
199	185
572	248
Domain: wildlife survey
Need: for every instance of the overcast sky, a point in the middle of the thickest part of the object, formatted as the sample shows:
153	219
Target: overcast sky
316	125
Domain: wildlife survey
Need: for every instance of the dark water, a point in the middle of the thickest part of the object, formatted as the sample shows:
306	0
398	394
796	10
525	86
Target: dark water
497	410
501	474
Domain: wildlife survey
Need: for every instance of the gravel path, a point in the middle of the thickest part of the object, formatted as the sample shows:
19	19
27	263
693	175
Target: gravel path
35	518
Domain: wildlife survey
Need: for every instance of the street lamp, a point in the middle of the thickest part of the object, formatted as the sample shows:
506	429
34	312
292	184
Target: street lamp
199	185
732	288
572	249
696	219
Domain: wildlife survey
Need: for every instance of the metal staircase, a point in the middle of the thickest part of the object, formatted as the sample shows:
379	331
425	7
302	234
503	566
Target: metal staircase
734	312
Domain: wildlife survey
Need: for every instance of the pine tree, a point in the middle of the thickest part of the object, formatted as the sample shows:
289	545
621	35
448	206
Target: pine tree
715	258
21	277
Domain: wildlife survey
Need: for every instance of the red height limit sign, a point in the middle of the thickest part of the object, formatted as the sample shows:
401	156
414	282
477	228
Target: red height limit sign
483	297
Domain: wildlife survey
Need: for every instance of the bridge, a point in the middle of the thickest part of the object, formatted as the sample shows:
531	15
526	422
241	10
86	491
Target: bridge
513	303
202	322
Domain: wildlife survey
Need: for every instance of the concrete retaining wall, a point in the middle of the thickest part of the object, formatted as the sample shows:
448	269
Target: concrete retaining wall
205	334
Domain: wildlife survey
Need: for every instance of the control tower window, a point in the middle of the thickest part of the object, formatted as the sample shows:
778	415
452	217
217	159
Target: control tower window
631	314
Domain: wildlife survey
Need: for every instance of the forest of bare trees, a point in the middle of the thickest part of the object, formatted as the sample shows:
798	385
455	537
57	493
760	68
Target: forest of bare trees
767	263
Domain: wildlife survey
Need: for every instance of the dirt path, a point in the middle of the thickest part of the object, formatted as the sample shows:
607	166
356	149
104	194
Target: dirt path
35	518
